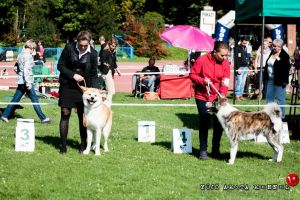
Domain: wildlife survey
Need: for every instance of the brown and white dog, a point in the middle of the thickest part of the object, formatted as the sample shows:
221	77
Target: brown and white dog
97	118
238	124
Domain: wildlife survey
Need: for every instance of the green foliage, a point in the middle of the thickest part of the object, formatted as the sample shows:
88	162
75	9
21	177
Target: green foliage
103	17
145	37
100	17
10	39
154	19
130	7
43	29
133	170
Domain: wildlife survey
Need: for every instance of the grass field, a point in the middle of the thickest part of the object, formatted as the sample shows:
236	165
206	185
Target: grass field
133	170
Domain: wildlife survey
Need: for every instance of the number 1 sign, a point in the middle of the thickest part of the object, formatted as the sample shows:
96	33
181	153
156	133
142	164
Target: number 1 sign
25	138
182	140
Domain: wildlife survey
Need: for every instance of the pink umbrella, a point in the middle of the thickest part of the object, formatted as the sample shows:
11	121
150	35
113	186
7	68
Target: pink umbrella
188	37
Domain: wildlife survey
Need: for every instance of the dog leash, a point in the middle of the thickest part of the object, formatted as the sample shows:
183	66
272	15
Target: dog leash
208	87
78	83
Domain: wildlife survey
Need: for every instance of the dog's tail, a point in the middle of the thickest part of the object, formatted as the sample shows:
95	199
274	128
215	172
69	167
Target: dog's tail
274	111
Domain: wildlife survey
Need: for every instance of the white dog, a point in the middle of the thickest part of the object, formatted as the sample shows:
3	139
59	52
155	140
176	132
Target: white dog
239	124
97	118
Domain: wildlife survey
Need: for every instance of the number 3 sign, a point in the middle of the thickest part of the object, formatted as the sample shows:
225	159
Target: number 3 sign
25	138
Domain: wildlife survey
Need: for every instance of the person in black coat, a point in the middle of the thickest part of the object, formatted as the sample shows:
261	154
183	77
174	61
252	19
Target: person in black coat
276	73
77	62
108	67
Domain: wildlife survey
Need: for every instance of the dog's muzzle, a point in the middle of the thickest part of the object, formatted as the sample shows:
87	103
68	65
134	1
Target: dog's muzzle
211	106
91	101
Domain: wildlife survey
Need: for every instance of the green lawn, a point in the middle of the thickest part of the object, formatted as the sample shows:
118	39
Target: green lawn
133	170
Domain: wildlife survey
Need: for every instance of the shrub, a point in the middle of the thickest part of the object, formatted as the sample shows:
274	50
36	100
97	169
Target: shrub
143	35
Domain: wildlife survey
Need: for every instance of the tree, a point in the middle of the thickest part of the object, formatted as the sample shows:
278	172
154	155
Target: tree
10	11
103	18
144	37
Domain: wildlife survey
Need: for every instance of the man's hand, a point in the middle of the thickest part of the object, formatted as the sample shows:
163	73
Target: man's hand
28	86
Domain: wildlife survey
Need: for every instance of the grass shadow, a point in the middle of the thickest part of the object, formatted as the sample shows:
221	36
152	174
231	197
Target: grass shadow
55	142
189	120
245	154
13	113
164	144
167	145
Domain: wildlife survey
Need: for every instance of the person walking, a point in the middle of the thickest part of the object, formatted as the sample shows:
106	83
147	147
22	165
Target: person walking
23	68
210	69
78	62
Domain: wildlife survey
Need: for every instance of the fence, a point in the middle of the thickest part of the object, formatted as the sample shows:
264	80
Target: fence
52	54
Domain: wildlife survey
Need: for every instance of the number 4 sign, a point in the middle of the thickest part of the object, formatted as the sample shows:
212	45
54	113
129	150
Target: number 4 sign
25	137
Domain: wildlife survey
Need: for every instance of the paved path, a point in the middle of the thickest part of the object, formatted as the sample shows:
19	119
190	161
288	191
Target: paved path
122	83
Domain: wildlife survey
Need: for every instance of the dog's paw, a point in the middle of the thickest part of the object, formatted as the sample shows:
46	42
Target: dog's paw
86	152
272	160
230	162
97	153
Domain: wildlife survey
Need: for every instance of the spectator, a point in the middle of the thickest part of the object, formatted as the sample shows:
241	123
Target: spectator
108	67
258	67
77	62
276	74
242	71
102	45
211	68
4	73
92	44
297	60
270	41
150	80
249	50
25	83
39	55
102	41
193	57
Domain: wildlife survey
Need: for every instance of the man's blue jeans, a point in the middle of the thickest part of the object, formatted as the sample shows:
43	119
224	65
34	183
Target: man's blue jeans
21	90
150	82
276	91
240	81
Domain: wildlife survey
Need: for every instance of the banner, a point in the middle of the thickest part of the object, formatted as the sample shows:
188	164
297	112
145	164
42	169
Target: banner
221	32
224	24
277	31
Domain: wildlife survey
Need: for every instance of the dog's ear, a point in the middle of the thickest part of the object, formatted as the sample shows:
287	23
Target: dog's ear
223	101
102	92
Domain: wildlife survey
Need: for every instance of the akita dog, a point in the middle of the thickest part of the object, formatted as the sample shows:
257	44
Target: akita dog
239	124
97	118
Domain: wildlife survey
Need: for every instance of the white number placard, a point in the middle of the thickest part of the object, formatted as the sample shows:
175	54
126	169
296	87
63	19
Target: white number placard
182	140
285	135
25	137
146	131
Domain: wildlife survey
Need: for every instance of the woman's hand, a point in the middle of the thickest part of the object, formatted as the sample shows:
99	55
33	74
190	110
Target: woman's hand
78	77
118	71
